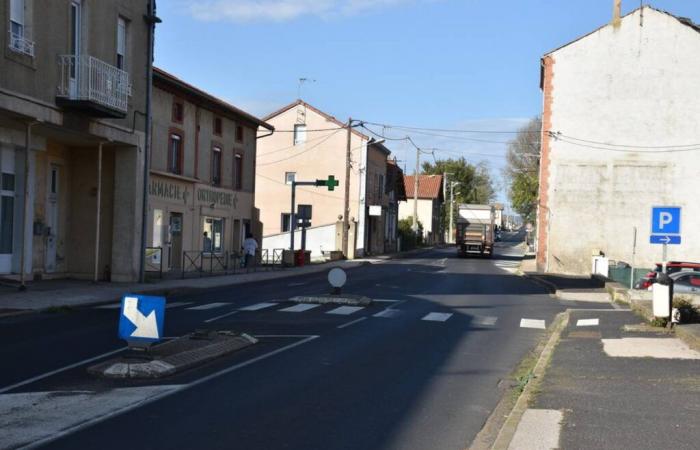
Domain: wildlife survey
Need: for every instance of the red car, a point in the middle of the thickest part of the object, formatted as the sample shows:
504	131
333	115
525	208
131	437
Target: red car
671	268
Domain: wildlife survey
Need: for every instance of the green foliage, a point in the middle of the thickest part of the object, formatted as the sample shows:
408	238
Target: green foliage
522	169
409	239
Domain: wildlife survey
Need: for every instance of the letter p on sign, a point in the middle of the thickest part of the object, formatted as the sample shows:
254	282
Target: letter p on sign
665	219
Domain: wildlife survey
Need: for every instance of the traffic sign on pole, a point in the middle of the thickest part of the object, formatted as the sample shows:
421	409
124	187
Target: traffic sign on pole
141	319
665	225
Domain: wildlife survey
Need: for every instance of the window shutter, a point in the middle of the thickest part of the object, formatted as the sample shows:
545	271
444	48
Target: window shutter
17	11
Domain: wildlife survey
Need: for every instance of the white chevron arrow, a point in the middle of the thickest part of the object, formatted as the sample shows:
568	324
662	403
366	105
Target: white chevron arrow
146	326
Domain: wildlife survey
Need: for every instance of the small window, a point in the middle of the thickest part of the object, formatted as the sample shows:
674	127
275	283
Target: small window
178	111
239	133
238	172
121	43
17	18
175	154
218	126
286	223
290	177
299	134
213	235
216	166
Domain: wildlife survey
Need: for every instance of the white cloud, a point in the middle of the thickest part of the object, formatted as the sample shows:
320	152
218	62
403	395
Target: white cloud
282	10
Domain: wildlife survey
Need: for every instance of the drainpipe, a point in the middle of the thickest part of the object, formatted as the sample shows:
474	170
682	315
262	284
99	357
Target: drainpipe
151	19
25	212
98	211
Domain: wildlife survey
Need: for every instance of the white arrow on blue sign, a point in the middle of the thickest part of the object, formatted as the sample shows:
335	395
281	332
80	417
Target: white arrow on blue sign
665	225
141	319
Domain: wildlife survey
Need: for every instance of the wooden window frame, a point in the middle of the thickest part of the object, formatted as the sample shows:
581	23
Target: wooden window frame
181	157
237	174
216	145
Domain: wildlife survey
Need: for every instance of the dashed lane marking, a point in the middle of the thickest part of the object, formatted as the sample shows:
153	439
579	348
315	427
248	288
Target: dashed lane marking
345	310
301	307
213	319
387	313
587	323
207	306
345	325
258	306
437	317
532	323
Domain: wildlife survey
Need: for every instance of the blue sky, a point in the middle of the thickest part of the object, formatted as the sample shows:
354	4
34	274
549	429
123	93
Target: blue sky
471	64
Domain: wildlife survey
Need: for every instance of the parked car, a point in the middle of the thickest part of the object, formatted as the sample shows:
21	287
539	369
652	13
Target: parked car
671	268
686	282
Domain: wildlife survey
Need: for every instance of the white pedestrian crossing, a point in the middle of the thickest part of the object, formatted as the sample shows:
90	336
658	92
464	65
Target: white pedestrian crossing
301	307
207	306
532	323
345	310
485	321
437	317
588	323
258	306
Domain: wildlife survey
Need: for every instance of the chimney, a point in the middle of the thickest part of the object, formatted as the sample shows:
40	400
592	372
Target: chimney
617	7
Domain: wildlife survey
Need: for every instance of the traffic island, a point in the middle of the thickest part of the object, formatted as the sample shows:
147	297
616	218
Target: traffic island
174	356
332	299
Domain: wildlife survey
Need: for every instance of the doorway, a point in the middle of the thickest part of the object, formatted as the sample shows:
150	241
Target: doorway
51	218
7	209
75	37
175	241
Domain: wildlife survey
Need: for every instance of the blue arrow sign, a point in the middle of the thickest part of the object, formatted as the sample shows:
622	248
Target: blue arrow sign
664	239
141	318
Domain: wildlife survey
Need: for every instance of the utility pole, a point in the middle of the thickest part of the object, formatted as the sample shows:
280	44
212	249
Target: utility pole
346	209
415	191
452	205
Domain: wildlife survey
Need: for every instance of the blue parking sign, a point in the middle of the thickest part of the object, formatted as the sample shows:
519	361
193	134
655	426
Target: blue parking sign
666	220
141	318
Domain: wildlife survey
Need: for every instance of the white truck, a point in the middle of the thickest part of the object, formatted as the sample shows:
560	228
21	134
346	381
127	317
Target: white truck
475	230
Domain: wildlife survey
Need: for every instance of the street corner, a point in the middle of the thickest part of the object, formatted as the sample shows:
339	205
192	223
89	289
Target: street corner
173	356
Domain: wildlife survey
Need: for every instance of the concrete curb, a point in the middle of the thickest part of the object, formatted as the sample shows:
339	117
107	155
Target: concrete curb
505	436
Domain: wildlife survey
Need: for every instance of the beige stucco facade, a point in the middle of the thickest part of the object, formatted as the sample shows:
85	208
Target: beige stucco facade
428	216
193	197
75	213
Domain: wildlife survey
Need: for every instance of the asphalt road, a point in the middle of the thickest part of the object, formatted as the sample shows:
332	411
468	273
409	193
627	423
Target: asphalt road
423	368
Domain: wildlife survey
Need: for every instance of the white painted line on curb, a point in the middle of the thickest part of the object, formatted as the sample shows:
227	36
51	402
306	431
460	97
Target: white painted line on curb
207	306
587	323
62	369
352	322
102	418
532	323
258	306
213	319
345	310
437	317
301	307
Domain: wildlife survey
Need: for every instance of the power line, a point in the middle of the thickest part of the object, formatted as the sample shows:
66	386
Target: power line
568	140
287	148
302	152
682	147
448	130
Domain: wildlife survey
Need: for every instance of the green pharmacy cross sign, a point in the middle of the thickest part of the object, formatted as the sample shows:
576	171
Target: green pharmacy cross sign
331	182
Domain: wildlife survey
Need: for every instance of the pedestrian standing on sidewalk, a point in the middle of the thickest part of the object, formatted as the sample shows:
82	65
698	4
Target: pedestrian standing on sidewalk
250	248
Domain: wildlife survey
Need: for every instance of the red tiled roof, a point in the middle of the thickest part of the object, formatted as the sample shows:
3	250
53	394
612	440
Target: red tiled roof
429	186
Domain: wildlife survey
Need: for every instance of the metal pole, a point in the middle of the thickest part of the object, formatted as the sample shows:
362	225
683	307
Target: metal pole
634	252
152	19
27	200
98	210
664	255
415	192
292	221
346	209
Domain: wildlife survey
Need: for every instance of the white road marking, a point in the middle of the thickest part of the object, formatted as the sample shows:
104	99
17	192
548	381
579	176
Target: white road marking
588	323
538	429
178	388
258	306
297	284
485	321
207	306
301	307
345	310
383	300
437	317
662	348
175	304
110	306
532	323
352	322
213	319
62	369
387	313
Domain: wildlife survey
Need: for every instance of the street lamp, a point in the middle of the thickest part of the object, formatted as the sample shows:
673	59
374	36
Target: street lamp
452	204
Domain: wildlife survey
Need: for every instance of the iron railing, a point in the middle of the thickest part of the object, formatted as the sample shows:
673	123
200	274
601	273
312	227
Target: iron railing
21	44
200	263
86	78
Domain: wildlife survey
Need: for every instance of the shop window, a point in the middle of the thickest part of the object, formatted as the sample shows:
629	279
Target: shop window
238	172
175	154
216	166
213	235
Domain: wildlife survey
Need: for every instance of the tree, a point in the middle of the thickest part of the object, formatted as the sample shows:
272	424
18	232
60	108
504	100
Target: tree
523	168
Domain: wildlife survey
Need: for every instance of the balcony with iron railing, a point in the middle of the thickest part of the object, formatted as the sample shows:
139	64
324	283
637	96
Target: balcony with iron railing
21	44
92	86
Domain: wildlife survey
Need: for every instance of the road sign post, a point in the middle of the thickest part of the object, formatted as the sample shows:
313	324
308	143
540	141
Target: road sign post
665	227
331	183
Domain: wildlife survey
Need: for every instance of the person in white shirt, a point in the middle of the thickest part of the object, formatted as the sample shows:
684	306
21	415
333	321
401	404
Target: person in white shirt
250	248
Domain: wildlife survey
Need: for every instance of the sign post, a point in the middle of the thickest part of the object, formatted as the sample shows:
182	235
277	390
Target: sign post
665	227
141	320
331	183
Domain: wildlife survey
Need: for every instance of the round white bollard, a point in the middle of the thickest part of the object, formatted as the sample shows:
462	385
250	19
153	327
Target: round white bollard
337	277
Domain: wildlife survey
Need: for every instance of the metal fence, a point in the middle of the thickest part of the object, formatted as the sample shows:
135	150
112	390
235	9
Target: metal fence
623	274
200	263
87	78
